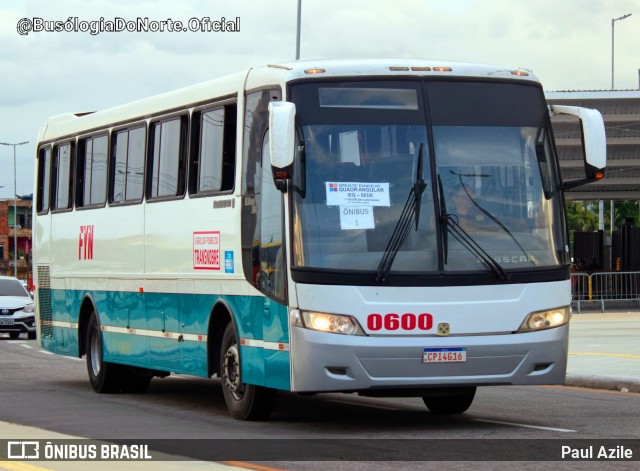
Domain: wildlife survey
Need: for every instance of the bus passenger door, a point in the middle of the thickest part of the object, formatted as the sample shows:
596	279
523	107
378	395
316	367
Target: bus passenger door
267	362
273	278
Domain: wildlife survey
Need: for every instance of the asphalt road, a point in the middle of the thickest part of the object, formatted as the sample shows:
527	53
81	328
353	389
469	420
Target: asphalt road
52	393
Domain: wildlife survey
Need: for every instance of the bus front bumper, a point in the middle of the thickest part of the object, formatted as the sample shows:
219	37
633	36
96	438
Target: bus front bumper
333	362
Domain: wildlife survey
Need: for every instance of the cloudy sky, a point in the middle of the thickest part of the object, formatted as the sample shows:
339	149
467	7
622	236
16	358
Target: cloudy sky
567	43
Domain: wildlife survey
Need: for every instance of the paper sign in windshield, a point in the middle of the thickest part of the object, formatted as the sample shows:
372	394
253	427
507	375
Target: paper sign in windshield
357	194
356	217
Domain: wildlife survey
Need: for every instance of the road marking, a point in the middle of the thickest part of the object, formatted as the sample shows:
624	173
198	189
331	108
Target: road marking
17	466
615	355
514	424
64	357
25	345
577	388
257	467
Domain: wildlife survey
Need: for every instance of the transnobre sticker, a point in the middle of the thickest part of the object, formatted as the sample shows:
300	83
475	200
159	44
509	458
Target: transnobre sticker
206	250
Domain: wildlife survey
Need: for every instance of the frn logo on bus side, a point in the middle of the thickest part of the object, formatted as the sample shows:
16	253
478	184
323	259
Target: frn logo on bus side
407	321
85	243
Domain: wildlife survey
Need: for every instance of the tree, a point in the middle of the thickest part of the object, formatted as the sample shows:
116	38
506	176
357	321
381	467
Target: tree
626	211
581	218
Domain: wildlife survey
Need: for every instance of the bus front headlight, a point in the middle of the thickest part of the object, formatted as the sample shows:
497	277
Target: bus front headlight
548	319
325	322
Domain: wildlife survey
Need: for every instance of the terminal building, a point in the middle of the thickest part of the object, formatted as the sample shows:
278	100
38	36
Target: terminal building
619	249
621	113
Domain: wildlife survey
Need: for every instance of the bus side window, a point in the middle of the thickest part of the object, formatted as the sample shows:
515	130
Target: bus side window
166	171
44	176
91	171
62	175
213	150
127	167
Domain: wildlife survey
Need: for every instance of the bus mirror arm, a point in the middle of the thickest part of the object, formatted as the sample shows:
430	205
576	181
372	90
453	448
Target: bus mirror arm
594	142
282	135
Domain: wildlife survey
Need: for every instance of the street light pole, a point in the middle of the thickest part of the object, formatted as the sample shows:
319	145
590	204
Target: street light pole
298	30
613	24
15	207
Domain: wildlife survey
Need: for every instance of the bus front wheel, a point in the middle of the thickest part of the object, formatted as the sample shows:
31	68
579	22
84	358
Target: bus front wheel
456	402
244	401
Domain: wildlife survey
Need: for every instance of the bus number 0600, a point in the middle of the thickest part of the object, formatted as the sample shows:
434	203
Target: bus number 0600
406	321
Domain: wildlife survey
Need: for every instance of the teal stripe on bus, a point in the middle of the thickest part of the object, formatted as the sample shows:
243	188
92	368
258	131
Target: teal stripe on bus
171	314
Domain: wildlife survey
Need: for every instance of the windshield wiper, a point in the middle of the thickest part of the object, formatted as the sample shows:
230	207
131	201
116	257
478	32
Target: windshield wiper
489	215
410	214
444	229
449	224
462	236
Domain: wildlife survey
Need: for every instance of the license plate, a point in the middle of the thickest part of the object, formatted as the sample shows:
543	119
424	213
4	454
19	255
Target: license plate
6	321
444	355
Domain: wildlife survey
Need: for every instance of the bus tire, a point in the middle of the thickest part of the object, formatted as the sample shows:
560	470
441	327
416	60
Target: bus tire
244	401
456	403
104	377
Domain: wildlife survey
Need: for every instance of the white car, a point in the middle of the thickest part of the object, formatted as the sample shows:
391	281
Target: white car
17	311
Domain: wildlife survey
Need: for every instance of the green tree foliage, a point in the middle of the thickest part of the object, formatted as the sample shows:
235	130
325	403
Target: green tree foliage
626	211
581	218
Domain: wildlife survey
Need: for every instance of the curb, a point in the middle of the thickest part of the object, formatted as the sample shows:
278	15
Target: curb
614	383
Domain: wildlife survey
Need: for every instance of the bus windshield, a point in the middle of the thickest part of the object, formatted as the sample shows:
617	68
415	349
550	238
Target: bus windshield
491	193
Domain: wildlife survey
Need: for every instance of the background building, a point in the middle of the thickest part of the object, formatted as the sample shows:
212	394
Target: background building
19	221
615	247
621	113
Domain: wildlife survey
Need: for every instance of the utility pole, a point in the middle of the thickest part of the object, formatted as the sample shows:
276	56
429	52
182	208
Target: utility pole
15	207
613	24
298	30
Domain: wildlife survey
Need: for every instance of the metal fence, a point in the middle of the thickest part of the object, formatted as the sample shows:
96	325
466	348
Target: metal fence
605	287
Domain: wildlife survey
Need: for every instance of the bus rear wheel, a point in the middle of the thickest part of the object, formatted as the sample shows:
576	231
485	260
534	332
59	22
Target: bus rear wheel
108	377
244	401
457	402
104	377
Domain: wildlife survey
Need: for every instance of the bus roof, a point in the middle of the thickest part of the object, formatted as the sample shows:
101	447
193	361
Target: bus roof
272	74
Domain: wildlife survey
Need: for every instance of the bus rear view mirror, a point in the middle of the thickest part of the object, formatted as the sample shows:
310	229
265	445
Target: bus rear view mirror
281	139
594	142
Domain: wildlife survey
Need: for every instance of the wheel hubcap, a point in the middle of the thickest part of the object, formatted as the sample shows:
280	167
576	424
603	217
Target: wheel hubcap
231	374
96	353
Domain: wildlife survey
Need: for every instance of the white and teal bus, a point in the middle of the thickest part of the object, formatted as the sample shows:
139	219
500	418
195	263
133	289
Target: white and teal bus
384	227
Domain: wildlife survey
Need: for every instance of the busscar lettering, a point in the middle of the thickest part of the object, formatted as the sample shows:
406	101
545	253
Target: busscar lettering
511	259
